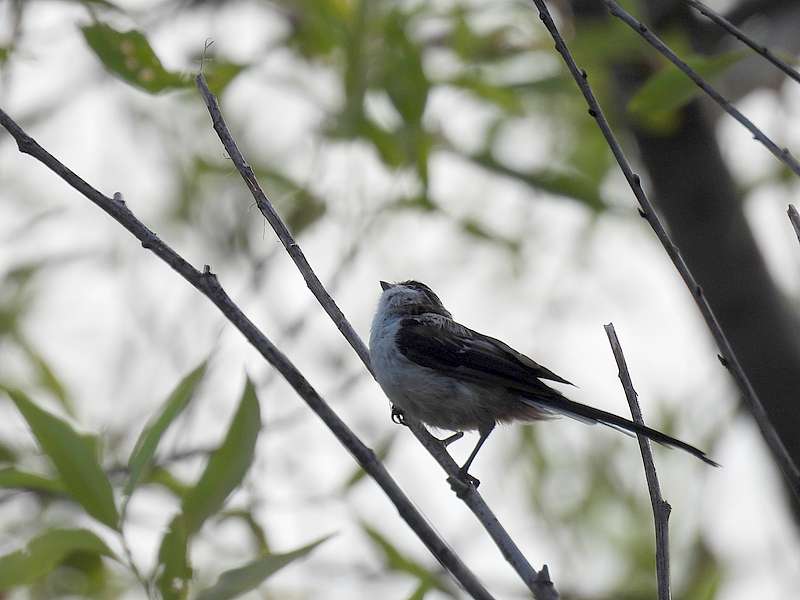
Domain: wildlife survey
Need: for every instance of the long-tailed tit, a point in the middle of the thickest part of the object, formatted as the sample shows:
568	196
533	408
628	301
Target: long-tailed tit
451	377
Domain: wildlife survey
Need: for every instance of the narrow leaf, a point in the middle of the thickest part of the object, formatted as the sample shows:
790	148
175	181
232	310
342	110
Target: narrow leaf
74	458
145	448
669	89
44	553
173	562
227	465
234	583
14	479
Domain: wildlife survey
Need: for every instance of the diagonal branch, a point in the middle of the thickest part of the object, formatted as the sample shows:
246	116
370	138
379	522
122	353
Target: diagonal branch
727	356
661	508
537	581
206	283
794	217
744	38
782	154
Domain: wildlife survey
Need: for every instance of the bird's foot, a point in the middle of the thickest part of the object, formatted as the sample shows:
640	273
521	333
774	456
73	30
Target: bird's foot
469	479
451	438
463	483
398	416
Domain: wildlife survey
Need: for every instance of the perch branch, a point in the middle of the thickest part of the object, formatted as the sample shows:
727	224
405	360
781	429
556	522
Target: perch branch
646	209
744	38
794	217
537	581
781	154
207	284
661	508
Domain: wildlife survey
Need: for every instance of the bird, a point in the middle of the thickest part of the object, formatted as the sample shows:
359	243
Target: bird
448	376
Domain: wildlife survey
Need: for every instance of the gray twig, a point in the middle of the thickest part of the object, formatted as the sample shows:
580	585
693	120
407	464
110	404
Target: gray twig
206	283
661	508
727	356
537	581
794	217
781	154
744	38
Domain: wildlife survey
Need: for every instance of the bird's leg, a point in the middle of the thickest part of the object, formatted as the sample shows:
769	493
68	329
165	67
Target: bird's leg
464	471
398	416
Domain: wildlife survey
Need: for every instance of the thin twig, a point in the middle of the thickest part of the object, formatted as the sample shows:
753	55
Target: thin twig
727	356
781	154
206	283
537	581
794	217
661	508
744	38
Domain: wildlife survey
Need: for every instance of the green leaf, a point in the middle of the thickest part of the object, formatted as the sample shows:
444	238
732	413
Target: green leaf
562	183
669	89
74	458
129	56
234	583
145	448
50	381
44	553
23	480
227	465
173	562
219	74
403	76
7	453
396	561
381	452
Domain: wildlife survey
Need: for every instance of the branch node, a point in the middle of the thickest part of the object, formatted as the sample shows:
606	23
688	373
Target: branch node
118	198
698	290
584	74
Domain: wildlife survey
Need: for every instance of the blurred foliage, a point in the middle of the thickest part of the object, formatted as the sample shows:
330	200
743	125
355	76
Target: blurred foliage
398	57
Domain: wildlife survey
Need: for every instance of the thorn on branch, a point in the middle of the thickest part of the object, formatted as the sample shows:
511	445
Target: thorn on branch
642	213
698	290
723	360
118	198
584	74
593	112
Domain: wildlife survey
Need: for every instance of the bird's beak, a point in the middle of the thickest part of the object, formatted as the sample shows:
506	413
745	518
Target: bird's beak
385	286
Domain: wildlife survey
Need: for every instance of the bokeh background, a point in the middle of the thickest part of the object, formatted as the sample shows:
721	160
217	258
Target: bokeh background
442	141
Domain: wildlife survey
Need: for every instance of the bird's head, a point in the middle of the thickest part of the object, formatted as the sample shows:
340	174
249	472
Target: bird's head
410	298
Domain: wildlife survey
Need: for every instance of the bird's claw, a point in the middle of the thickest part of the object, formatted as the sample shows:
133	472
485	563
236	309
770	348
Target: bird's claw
398	416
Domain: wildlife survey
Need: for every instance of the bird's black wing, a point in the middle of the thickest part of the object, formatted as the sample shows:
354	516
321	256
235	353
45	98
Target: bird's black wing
442	344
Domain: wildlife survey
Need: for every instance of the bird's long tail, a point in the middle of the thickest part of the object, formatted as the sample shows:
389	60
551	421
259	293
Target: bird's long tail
559	404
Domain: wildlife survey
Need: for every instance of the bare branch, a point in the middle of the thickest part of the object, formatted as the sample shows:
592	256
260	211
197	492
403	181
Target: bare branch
794	217
781	154
206	283
538	582
661	508
727	356
744	38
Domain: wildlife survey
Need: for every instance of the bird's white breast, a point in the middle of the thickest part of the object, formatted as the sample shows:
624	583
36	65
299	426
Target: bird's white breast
432	397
